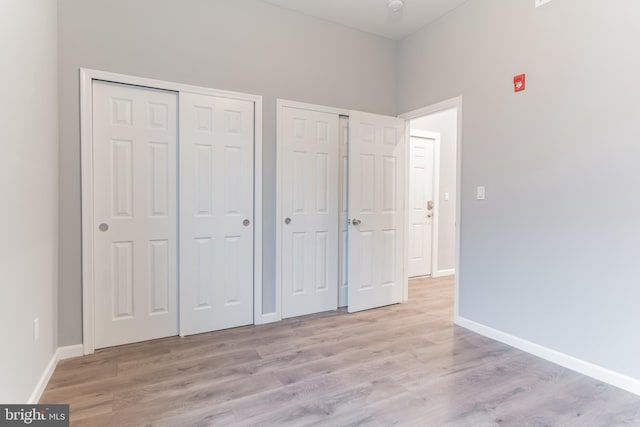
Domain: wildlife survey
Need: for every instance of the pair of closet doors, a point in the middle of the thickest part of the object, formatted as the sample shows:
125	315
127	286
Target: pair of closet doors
173	212
341	209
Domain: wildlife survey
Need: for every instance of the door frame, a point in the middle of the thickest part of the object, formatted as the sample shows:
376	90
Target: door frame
276	315
87	76
435	136
448	104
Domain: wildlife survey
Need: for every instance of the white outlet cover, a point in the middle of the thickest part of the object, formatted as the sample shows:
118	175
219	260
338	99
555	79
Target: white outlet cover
539	3
480	193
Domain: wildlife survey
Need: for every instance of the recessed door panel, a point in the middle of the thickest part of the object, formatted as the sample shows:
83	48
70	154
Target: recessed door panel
121	177
159	277
310	196
158	179
122	280
135	215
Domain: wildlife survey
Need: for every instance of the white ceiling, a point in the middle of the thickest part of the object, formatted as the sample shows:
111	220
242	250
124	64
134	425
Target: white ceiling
373	16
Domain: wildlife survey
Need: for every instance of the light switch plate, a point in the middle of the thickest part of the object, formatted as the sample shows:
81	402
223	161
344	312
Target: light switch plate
480	193
539	3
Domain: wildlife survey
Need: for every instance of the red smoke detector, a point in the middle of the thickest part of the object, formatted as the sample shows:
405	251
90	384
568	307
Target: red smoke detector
519	83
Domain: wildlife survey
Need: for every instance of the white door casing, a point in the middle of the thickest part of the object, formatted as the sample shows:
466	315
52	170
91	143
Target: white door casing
422	205
310	205
134	213
376	209
216	213
343	292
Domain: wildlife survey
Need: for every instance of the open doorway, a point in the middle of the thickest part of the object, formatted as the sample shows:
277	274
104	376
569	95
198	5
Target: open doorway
433	182
432	194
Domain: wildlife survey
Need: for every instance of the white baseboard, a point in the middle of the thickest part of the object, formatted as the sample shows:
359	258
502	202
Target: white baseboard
70	351
608	376
44	380
444	273
268	318
60	354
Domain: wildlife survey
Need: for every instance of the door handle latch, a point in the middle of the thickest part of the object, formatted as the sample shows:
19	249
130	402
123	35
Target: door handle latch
356	221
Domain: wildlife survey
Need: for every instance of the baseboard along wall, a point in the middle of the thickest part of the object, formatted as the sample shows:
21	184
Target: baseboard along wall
597	372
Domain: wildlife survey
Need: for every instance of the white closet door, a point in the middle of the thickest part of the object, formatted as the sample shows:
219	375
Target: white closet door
216	213
310	207
135	218
376	210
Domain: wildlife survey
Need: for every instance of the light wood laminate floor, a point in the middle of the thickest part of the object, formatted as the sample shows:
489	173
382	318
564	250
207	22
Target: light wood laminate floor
398	365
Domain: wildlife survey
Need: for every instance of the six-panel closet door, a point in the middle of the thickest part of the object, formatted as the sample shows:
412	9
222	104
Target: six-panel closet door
310	195
134	214
376	210
216	213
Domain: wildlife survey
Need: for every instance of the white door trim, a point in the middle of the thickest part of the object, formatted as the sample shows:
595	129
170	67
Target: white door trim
276	315
86	148
425	111
435	223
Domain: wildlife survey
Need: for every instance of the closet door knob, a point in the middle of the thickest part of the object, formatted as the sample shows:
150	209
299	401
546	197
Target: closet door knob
356	221
287	221
246	222
103	227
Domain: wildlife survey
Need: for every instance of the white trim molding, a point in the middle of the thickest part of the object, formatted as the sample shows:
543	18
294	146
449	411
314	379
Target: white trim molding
44	380
70	352
445	273
61	353
270	318
87	76
589	369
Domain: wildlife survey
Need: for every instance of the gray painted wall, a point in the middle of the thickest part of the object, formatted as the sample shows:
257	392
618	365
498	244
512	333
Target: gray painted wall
551	256
240	45
446	124
29	189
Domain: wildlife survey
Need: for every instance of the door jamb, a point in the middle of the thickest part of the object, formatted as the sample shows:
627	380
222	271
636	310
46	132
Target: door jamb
435	179
457	104
87	76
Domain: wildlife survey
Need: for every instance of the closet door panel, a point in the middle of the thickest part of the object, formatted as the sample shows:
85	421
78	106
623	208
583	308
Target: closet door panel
310	195
216	213
134	213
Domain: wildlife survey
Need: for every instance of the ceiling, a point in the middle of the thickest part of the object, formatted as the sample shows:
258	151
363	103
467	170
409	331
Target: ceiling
373	16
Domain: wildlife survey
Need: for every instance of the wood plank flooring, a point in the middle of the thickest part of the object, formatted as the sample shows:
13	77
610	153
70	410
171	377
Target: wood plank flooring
404	365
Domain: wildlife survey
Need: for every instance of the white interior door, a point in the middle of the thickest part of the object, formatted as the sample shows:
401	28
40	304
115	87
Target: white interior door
421	205
376	209
310	194
134	189
216	213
